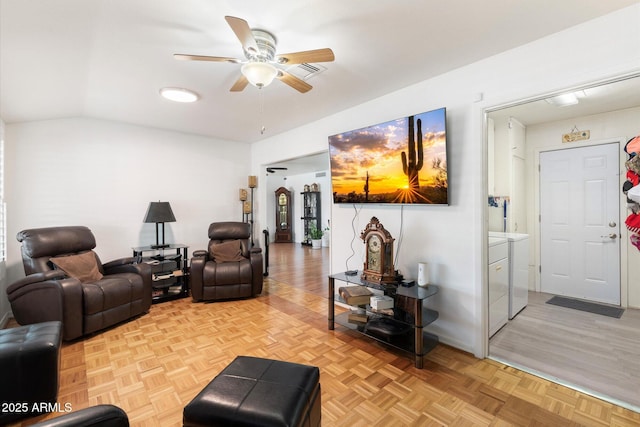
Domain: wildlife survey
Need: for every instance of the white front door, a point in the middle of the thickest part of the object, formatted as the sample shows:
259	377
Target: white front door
579	230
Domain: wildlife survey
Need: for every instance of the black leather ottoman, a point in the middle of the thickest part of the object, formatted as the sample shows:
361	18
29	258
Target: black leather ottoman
258	392
29	362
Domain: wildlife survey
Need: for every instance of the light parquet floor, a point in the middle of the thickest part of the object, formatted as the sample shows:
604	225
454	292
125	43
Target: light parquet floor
154	365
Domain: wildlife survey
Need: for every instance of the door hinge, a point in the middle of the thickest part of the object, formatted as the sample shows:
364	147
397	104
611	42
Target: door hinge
539	218
540	268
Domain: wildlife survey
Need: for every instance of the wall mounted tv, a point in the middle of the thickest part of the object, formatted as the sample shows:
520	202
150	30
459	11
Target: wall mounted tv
401	161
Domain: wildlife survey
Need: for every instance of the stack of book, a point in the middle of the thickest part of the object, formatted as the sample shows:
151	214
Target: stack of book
381	302
355	295
357	318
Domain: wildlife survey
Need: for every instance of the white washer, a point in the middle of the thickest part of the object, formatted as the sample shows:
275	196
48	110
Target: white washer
518	270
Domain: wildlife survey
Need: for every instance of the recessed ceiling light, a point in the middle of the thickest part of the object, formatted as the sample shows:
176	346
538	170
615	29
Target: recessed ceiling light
563	100
178	94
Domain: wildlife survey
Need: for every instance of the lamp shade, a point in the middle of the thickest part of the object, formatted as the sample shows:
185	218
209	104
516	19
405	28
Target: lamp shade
259	74
159	212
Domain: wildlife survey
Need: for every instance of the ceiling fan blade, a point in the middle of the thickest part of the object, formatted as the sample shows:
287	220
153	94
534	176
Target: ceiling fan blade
185	57
240	84
293	81
307	56
243	32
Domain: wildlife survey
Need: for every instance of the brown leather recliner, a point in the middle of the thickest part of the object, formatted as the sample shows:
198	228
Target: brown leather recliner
228	268
116	291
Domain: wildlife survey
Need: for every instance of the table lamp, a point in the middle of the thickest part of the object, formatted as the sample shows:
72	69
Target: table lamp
159	213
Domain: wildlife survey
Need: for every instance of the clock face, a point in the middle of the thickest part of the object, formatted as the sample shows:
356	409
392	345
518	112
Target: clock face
374	245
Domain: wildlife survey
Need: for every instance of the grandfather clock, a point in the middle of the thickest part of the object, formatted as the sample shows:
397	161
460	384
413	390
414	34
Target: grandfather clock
283	216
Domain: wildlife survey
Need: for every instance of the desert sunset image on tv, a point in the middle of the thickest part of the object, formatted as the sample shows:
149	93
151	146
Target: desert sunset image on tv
401	161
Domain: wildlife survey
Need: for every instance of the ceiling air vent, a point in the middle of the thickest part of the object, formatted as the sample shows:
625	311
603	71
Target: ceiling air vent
305	71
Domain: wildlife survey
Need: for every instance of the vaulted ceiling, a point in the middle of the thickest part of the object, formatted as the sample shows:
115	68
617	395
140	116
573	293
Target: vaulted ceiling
108	59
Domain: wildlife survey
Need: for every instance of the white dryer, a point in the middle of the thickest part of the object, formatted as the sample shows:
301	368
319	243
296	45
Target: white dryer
518	270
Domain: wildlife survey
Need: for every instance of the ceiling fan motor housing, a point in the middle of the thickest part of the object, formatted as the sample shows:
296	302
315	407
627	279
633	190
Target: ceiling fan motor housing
266	47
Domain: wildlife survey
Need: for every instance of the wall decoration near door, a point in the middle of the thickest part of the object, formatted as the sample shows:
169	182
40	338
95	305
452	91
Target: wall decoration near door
283	216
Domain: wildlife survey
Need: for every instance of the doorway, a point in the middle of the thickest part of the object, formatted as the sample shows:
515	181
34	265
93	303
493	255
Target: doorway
610	111
298	175
579	223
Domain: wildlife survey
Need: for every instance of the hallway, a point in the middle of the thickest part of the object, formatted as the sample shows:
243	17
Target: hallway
300	266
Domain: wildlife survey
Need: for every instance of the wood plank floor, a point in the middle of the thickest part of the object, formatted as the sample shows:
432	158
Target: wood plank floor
154	365
590	351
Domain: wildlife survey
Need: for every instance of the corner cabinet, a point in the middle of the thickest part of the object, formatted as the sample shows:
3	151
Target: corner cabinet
283	216
310	214
401	327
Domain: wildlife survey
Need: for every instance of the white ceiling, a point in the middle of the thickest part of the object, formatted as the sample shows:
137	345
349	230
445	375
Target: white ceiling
108	59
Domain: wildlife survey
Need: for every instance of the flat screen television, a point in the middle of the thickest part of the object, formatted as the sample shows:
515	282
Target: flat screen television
401	161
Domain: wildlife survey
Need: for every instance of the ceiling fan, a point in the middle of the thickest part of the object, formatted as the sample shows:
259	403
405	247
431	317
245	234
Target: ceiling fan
260	65
272	169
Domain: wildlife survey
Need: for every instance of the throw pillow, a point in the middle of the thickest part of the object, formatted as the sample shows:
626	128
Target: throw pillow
227	251
83	267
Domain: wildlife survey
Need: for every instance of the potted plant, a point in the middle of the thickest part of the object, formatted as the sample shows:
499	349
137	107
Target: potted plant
316	236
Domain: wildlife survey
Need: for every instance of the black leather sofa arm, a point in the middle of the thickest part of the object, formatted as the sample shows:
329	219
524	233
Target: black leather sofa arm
127	265
35	278
94	416
119	261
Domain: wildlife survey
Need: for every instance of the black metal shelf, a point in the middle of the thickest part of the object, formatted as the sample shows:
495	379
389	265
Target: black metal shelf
403	330
166	284
311	214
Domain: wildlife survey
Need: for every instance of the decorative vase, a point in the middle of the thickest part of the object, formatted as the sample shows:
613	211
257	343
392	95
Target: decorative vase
423	274
316	243
326	238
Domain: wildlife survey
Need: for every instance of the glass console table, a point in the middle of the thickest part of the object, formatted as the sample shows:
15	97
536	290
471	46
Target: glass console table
401	327
169	267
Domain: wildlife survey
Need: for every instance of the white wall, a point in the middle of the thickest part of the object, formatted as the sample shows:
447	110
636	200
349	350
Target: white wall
104	174
5	309
453	238
622	124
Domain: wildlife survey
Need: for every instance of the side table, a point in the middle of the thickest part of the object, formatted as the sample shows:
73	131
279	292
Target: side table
170	270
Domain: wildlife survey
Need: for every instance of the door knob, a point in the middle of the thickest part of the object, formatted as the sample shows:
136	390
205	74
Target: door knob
612	224
611	236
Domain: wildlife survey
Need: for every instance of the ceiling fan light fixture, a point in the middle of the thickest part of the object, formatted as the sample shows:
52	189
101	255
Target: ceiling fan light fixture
259	74
178	94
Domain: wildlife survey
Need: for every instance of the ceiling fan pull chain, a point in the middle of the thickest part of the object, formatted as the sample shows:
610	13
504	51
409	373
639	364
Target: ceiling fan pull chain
261	102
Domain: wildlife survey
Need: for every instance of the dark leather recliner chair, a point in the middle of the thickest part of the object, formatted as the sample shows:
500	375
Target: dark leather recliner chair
228	268
117	291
